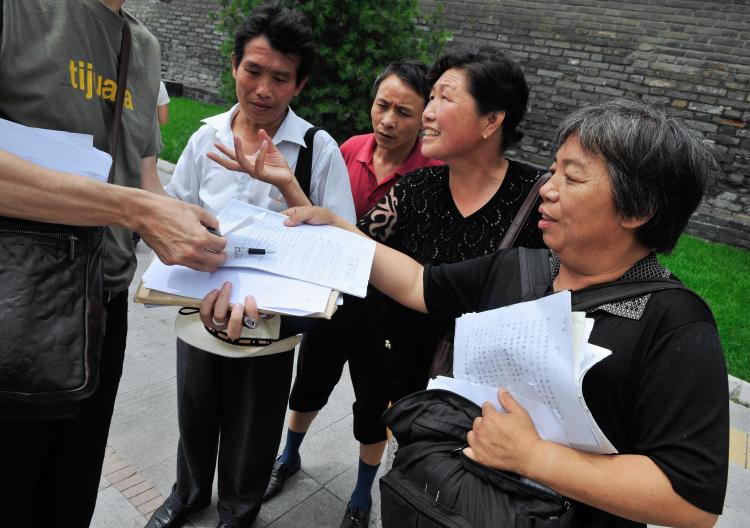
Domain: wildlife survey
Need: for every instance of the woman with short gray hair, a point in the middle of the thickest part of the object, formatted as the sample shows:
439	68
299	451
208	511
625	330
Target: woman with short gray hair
626	179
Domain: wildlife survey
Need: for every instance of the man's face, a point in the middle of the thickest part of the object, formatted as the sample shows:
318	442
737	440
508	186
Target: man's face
266	82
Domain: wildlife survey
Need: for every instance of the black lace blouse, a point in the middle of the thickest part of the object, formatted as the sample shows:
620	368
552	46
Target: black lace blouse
419	217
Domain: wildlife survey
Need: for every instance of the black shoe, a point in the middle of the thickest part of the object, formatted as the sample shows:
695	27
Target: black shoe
355	518
279	474
165	517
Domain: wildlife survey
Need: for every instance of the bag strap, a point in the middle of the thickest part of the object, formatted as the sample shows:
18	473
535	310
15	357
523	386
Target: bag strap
303	170
122	79
600	294
535	276
523	213
535	272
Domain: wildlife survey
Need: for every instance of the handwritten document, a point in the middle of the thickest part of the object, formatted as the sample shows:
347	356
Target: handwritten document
54	149
322	255
272	292
539	352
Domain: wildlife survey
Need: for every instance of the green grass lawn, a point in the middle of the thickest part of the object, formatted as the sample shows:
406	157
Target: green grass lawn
719	273
184	118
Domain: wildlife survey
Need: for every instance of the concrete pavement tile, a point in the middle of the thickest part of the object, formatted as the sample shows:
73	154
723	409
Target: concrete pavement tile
298	489
327	453
343	485
732	518
739	416
129	482
321	510
738	447
139	488
103	483
114	511
146	496
738	490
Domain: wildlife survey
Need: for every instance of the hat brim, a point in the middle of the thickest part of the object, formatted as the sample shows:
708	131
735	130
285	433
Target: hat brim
190	329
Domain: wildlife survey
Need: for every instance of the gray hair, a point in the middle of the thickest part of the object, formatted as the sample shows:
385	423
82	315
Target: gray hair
658	166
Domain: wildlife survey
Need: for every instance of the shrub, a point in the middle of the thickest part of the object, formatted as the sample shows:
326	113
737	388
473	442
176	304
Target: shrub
355	39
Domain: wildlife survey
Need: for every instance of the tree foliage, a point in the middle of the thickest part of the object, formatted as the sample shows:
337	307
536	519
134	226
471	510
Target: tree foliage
355	39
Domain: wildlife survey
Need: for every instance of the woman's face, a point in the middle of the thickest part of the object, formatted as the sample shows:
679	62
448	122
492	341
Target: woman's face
578	210
396	114
451	123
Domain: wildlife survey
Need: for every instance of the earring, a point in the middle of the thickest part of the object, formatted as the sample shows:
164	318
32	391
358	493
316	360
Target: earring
484	136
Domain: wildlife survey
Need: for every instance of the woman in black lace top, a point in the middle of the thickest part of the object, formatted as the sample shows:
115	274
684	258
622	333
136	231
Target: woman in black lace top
435	214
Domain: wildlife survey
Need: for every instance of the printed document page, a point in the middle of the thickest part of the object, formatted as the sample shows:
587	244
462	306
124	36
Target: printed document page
272	292
528	348
323	255
64	151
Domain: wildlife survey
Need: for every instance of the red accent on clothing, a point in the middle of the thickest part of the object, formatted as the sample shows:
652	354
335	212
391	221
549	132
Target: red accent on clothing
366	191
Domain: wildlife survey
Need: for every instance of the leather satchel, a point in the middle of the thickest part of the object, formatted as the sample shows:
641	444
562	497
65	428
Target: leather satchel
52	316
51	311
442	359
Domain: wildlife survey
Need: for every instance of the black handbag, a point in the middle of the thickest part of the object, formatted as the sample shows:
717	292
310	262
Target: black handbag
52	316
434	485
51	312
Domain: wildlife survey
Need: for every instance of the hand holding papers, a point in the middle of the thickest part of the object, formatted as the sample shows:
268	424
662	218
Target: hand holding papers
297	278
322	255
57	150
540	353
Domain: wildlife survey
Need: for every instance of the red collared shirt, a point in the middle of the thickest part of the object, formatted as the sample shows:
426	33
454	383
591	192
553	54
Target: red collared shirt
366	191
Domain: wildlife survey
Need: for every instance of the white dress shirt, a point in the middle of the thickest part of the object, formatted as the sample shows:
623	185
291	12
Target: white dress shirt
200	181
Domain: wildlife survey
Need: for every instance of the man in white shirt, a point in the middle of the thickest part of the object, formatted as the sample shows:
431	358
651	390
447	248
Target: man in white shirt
237	406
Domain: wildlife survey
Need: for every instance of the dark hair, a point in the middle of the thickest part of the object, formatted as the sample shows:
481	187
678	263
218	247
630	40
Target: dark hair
287	30
657	165
412	72
495	81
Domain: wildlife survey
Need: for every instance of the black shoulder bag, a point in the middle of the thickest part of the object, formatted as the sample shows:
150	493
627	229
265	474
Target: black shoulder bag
51	310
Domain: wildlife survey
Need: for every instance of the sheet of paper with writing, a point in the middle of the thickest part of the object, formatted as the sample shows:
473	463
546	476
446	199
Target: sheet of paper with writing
539	352
321	255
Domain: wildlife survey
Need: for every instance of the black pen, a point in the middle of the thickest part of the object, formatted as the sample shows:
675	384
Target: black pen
213	232
242	251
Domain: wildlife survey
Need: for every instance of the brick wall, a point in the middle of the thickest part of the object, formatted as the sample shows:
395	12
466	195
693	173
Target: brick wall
189	43
690	56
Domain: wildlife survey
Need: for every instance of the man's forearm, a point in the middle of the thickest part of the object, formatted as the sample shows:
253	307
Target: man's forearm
36	193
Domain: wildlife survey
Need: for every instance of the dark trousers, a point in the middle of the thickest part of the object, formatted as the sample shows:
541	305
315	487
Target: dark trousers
50	470
234	407
324	350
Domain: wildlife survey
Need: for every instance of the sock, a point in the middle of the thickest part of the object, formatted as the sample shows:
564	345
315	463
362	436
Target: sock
291	448
365	477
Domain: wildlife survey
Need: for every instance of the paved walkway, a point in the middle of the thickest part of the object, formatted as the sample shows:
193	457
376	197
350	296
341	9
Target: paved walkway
140	464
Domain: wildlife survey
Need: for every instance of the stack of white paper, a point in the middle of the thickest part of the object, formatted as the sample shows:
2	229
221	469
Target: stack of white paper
272	292
54	149
306	264
539	352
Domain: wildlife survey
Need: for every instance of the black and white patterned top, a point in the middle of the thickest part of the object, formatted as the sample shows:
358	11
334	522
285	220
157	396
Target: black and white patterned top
634	307
419	217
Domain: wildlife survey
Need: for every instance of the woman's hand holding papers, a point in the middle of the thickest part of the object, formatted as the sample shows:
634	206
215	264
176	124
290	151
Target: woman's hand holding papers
506	440
315	215
217	313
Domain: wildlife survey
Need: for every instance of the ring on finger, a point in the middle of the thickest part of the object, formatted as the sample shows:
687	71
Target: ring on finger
218	323
249	322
